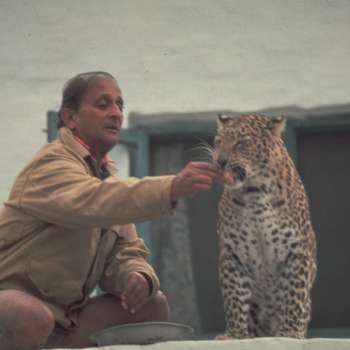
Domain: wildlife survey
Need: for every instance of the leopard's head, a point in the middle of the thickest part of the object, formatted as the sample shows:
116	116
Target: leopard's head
247	147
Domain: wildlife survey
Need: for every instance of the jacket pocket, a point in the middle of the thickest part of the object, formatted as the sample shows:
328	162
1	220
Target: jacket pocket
52	280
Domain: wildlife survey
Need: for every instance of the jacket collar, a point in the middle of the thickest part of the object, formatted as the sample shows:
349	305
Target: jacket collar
66	136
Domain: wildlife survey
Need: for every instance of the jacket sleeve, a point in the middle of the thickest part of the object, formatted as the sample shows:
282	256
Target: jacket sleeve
59	190
128	255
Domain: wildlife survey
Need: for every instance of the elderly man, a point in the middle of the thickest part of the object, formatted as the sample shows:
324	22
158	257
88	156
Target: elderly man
68	227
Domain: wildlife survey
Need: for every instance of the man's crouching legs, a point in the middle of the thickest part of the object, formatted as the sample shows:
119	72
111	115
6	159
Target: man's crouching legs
106	311
25	321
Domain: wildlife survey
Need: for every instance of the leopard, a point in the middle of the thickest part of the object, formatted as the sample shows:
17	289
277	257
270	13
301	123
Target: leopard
267	245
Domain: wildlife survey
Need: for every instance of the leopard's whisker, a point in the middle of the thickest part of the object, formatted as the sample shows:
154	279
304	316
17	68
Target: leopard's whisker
205	148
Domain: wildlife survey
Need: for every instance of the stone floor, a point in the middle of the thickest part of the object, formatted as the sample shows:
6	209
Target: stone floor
248	344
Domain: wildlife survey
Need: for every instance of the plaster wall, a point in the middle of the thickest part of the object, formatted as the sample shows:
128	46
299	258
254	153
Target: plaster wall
169	56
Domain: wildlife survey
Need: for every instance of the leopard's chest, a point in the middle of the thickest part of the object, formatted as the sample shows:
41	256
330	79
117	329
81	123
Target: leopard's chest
258	235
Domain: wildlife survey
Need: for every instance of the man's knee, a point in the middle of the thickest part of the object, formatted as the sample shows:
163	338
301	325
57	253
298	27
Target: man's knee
25	321
160	306
160	298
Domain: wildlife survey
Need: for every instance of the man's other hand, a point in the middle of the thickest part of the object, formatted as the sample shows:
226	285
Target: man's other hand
136	292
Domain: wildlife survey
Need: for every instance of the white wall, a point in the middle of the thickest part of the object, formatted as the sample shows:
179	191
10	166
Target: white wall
168	56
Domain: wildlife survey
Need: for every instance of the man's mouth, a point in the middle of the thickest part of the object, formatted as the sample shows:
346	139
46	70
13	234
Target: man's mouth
112	128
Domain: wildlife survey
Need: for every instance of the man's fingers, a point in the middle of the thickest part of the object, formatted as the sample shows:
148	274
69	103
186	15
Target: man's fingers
203	178
203	165
205	168
137	307
202	187
204	175
129	288
196	176
135	300
124	305
136	292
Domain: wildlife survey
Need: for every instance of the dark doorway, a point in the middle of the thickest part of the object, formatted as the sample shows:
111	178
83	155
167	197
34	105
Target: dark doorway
324	165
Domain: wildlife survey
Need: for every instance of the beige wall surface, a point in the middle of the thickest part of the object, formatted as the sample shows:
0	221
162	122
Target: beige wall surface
168	56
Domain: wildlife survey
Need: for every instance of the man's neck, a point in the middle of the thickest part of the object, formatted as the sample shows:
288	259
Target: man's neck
101	158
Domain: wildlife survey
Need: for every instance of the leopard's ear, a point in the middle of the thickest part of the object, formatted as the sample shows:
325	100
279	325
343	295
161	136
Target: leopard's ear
223	120
277	125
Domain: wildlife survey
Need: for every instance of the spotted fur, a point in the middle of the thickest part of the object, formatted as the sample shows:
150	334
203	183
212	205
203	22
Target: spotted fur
267	262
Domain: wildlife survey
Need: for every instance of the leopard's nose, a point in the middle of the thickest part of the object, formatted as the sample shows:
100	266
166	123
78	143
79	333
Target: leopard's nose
222	163
239	172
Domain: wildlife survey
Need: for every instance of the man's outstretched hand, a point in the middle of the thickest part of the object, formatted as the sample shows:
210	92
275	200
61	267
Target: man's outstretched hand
195	177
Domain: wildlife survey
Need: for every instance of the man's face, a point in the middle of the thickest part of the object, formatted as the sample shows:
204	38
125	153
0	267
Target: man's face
99	118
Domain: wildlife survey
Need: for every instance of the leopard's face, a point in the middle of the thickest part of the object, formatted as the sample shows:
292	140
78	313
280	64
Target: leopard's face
246	147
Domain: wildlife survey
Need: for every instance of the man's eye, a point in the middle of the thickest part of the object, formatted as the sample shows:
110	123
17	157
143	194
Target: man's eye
102	104
120	104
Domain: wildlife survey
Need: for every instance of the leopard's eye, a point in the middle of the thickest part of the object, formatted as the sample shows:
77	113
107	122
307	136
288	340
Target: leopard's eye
241	145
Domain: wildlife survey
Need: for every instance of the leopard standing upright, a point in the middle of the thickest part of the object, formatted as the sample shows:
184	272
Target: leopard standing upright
267	247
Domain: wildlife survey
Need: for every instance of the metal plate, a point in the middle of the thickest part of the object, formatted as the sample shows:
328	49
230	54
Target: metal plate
142	333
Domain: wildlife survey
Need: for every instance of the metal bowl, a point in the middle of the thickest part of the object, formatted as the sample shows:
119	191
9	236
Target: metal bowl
142	333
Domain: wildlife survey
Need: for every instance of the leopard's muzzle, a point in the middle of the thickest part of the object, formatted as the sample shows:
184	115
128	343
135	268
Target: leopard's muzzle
238	172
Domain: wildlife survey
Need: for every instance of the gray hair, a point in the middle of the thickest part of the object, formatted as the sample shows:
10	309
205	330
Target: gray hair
75	88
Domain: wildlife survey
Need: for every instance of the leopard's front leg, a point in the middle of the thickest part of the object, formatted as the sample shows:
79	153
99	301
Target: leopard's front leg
236	290
295	291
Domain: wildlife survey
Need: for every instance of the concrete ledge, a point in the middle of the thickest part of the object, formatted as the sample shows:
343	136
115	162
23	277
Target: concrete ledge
247	344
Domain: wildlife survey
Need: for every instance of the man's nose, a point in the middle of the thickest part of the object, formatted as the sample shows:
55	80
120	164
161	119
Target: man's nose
117	112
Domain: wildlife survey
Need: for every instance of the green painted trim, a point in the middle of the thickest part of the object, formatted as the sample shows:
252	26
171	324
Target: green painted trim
52	130
138	143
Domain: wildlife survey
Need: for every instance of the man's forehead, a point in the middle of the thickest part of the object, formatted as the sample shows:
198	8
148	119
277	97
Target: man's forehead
104	87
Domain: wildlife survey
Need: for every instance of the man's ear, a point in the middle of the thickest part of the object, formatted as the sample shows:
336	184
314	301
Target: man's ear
68	117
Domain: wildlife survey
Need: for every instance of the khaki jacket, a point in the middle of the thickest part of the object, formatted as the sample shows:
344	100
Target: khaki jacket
64	230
